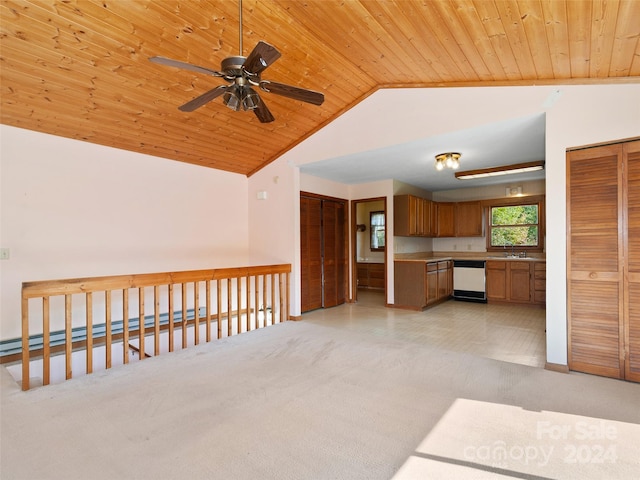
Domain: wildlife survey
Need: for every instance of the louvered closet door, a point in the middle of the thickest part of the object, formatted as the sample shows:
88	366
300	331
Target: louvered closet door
323	252
632	297
311	253
334	264
595	259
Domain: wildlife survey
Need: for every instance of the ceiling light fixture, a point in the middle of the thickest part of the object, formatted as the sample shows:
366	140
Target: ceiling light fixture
449	160
504	170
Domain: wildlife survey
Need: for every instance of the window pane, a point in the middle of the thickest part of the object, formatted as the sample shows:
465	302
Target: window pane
377	237
515	215
517	236
377	230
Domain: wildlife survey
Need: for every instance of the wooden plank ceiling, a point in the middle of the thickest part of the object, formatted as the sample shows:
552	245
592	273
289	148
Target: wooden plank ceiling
80	69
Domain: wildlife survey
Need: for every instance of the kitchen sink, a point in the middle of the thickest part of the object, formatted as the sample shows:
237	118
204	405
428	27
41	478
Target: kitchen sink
511	257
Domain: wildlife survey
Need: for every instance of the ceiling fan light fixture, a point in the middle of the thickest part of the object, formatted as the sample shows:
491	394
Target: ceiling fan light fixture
250	98
503	170
450	160
231	100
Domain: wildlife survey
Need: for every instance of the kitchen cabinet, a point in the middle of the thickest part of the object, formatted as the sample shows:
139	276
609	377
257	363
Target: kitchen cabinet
445	279
445	214
516	281
419	284
496	281
432	284
371	275
603	260
412	216
419	217
540	283
468	219
519	281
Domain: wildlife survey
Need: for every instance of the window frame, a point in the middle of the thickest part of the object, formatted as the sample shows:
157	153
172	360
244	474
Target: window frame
372	230
538	200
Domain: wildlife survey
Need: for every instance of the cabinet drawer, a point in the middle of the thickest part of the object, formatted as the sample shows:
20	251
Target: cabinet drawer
540	296
496	265
520	265
443	265
432	267
539	284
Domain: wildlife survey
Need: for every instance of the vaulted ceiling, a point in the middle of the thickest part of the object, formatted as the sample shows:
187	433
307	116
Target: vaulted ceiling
80	68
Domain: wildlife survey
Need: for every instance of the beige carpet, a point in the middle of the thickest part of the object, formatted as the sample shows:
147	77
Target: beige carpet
303	400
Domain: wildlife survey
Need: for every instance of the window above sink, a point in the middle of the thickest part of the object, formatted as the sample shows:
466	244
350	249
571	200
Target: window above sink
515	226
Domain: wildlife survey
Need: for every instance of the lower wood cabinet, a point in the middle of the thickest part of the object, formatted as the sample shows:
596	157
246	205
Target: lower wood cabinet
419	284
516	281
371	275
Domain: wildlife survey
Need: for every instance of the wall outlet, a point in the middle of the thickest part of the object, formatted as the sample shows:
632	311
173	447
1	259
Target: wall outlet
469	246
4	254
455	246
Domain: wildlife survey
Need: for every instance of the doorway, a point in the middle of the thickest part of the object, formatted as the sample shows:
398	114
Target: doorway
369	234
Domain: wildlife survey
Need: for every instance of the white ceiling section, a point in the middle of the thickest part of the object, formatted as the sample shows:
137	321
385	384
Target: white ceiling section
504	143
438	125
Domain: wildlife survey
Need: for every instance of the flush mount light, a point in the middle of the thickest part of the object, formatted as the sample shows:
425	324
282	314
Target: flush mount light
504	170
449	160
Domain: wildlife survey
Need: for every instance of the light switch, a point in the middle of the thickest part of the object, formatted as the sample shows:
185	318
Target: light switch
4	254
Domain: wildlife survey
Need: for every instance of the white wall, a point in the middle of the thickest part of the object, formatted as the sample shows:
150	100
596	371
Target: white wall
582	115
74	209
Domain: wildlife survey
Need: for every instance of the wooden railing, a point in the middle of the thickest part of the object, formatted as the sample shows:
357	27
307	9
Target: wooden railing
143	314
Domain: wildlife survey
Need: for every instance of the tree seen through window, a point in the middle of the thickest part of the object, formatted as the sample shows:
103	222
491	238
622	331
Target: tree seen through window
515	225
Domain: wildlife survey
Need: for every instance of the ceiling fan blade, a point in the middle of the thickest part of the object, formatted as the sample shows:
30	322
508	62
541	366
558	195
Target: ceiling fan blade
260	58
186	66
202	99
290	91
263	113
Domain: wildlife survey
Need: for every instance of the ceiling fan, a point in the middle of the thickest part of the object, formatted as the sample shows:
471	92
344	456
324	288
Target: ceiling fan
242	74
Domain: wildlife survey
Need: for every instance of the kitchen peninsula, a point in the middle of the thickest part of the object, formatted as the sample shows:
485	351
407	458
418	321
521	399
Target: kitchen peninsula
426	279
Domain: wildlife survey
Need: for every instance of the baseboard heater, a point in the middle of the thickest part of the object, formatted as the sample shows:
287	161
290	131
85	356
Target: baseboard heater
469	280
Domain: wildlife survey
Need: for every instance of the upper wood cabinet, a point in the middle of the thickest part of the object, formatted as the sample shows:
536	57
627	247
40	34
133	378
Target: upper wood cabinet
419	217
603	260
412	216
445	213
468	219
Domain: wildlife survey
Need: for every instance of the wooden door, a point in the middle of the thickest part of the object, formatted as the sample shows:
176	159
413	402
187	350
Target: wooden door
632	246
334	255
311	253
594	269
323	252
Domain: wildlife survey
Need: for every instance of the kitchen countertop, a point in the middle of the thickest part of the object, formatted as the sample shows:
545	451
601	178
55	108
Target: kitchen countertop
438	257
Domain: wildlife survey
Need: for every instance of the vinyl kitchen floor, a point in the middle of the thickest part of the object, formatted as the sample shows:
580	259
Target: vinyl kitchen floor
510	333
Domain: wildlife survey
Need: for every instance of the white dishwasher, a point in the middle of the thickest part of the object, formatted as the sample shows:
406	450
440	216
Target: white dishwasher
469	280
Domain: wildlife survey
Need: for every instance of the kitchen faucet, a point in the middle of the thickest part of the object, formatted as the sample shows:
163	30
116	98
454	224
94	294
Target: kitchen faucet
505	249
